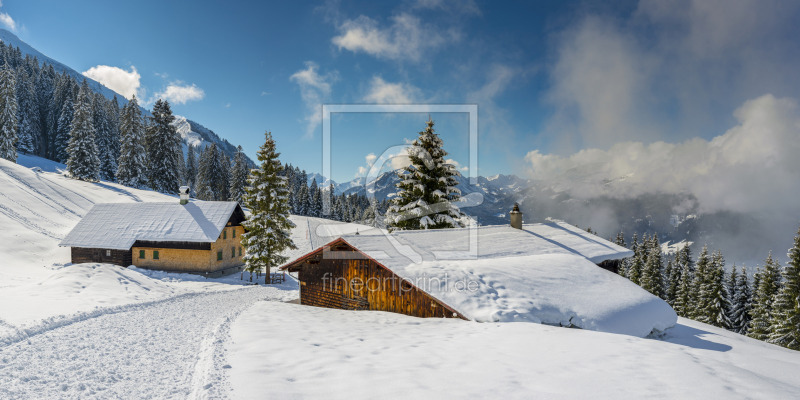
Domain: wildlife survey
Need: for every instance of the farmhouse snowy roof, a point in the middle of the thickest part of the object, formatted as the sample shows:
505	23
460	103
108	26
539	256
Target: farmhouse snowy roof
542	273
119	225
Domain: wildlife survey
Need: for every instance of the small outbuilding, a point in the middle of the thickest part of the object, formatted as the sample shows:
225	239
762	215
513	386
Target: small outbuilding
546	272
196	237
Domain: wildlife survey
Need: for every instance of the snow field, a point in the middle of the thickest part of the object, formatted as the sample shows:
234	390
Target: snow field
291	351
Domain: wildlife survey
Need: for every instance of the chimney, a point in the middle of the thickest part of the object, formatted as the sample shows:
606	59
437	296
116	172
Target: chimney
516	217
184	190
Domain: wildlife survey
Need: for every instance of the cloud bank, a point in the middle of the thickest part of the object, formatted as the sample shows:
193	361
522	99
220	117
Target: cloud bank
126	83
671	70
752	167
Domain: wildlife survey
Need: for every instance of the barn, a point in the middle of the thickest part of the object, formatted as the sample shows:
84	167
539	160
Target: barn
195	237
545	272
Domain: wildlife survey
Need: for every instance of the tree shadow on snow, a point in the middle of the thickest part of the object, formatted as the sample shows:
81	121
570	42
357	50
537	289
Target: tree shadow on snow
687	336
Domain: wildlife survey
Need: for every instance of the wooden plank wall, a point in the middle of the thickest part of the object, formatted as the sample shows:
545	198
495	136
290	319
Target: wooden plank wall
86	255
362	284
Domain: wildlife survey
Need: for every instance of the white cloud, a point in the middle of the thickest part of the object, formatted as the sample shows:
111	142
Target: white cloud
405	38
179	93
383	92
314	89
117	79
752	168
7	21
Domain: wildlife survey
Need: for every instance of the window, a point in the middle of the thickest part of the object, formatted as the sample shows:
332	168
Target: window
141	254
233	232
108	253
155	254
240	251
233	252
219	255
224	234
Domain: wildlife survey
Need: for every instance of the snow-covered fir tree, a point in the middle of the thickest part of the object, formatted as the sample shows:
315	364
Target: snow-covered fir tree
268	227
28	113
769	282
8	113
103	138
62	130
45	93
638	259
163	144
740	302
239	174
714	294
314	199
785	323
427	190
82	149
212	175
652	279
113	115
684	294
191	167
672	275
132	160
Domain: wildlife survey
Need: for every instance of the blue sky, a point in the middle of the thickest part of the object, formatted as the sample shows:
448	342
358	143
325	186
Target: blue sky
550	78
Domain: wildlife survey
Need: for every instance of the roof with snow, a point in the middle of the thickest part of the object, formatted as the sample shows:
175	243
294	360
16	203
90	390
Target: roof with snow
544	273
119	225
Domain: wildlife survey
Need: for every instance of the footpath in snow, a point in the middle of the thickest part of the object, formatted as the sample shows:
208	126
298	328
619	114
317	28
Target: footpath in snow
167	349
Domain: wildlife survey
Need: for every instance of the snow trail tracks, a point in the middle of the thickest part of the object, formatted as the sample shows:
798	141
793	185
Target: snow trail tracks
172	348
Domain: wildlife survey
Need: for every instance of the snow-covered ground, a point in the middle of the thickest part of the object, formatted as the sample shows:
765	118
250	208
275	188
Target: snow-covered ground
293	351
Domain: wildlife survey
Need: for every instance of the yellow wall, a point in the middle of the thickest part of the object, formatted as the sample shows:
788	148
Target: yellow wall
195	260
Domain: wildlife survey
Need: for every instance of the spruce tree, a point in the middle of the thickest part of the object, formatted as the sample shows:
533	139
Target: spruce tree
8	113
191	167
684	305
83	163
637	263
163	144
785	329
715	300
315	200
652	278
769	282
427	190
239	173
132	159
62	130
29	129
740	307
673	280
268	227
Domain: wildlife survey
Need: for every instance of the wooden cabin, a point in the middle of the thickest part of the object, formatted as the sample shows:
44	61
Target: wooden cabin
338	275
407	272
195	237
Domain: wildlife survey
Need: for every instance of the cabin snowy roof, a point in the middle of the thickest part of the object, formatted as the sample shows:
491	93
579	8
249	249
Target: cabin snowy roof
118	225
542	273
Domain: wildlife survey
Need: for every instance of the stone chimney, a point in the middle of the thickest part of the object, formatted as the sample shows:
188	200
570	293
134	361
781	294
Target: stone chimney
184	190
516	217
